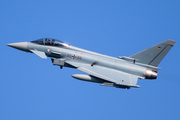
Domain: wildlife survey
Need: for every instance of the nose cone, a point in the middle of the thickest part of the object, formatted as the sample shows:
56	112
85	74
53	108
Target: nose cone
20	45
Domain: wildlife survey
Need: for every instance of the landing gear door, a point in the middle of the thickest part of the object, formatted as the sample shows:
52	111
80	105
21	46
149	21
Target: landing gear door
59	62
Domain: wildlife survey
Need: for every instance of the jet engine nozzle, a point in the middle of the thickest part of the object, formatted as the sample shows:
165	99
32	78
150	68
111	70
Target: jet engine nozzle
149	74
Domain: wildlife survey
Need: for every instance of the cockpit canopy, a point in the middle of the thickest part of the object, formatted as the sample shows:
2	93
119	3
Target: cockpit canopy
50	42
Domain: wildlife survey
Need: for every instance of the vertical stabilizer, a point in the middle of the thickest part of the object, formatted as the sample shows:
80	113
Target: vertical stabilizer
154	55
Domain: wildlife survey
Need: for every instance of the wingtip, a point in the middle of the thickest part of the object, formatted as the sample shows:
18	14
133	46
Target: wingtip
171	42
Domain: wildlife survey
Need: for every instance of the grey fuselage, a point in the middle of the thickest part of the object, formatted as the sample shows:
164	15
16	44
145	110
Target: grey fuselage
71	53
121	72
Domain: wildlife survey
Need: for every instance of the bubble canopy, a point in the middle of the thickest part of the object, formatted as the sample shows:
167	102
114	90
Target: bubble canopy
49	42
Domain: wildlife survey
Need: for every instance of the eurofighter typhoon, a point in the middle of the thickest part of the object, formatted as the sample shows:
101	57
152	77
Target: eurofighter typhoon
120	72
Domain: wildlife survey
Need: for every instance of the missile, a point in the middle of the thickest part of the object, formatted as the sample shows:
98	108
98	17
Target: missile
87	78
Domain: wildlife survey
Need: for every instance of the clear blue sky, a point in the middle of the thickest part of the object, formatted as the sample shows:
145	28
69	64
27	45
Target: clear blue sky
32	88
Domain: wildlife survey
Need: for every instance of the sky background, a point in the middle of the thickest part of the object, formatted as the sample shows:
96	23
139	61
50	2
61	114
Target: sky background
32	88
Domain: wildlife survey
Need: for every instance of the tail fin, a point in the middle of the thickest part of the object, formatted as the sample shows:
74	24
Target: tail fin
154	55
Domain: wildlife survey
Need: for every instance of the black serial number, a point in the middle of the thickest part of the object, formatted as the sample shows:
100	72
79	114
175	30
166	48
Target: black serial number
74	56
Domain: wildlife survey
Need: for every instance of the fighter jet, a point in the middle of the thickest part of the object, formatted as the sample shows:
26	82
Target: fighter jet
121	72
